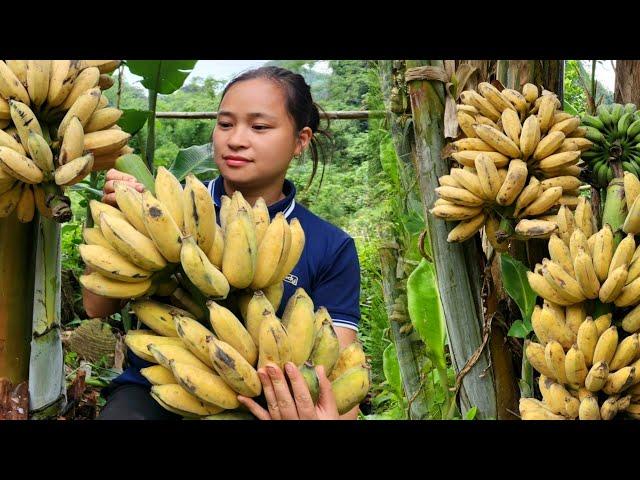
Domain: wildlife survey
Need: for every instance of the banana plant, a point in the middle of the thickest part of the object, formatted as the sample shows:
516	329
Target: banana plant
158	76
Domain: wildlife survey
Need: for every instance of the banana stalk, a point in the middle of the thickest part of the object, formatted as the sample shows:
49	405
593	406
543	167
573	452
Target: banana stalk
615	209
16	285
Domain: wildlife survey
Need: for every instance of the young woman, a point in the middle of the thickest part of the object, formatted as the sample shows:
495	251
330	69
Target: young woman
266	118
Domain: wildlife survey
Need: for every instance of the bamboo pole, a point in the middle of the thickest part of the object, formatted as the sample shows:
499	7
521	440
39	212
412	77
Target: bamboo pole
333	115
458	295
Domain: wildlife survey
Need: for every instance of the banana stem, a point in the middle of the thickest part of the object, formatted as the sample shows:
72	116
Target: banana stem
151	127
59	203
615	209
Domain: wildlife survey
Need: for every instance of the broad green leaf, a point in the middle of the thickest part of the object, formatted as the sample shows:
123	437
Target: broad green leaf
425	311
519	330
133	120
197	159
471	413
162	76
514	279
391	368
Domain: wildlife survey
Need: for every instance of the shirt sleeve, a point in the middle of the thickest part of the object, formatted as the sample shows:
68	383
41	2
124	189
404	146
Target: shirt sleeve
337	287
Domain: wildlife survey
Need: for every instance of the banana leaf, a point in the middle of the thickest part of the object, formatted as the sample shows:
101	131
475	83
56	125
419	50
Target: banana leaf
132	120
197	159
162	76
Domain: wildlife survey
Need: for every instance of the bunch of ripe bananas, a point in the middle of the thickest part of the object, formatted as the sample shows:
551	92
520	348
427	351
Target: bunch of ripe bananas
589	368
199	372
519	160
135	250
55	127
615	132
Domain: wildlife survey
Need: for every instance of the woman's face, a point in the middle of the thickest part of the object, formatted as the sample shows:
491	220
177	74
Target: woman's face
255	137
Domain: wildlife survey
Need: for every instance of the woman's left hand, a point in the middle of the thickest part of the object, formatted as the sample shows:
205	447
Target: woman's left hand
299	406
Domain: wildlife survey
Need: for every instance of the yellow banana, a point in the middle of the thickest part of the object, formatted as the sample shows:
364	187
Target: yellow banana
584	216
25	121
299	318
586	275
526	229
511	125
530	136
225	205
630	322
165	355
514	182
557	161
566	224
107	287
26	205
201	271
548	145
199	213
532	409
170	193
205	385
473	98
41	154
19	166
495	97
619	381
603	322
239	258
130	204
97	208
544	290
11	86
112	265
260	218
613	285
597	377
536	355
530	92
603	252
560	254
589	409
566	126
631	188
498	140
350	388
295	251
93	236
194	336
455	212
488	177
59	85
624	253
632	222
19	68
105	142
467	228
326	347
105	66
350	357
609	408
629	295
74	171
546	111
516	99
9	141
234	369
161	227
530	193
626	352
82	108
217	249
86	80
158	375
555	358
37	77
72	142
466	123
578	243
139	342
257	306
472	144
543	203
606	346
458	196
272	253
229	329
575	316
158	316
466	179
275	345
130	243
177	400
561	281
575	366
468	158
103	119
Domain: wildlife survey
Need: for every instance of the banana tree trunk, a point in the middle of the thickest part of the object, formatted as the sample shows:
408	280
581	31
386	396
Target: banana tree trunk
459	291
16	289
547	73
46	373
627	84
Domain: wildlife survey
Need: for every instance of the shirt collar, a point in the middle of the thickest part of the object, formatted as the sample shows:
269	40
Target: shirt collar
286	205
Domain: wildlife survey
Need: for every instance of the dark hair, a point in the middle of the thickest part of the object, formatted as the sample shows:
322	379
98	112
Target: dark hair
300	105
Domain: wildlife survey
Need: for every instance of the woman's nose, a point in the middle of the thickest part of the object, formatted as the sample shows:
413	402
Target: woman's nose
238	138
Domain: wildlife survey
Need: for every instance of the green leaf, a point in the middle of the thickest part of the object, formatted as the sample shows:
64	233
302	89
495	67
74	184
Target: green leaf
471	414
519	330
425	311
391	368
514	278
132	120
162	76
197	159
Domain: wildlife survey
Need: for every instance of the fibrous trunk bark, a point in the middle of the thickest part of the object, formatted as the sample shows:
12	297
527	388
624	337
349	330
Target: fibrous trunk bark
627	84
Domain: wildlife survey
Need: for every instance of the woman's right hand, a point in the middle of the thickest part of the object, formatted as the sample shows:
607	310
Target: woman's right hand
113	175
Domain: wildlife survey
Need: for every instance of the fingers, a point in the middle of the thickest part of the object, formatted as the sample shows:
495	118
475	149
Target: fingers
114	174
109	187
259	412
269	395
286	405
110	199
326	398
302	397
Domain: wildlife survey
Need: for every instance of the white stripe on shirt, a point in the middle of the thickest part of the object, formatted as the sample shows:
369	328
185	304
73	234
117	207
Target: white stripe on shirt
288	211
344	323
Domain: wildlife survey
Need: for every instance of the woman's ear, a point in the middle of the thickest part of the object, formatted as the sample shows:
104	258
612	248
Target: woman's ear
304	137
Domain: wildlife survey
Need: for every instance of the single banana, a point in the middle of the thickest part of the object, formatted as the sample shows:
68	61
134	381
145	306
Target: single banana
575	366
257	306
584	216
597	377
158	375
466	123
234	369
548	145
629	295
130	243
609	408
275	345
630	322
272	253
199	213
603	252
205	385
25	121
295	252
129	202
530	92
631	188
624	253
546	111
37	76
103	119
11	86
575	316
158	316
105	142
97	208
555	358
161	227
526	229
467	158
632	222
578	243
543	289
62	78
261	219
566	126
530	136
498	140
514	182
543	203
93	236
239	258
26	205
566	224
299	318
563	282
350	388
495	97
19	166
511	125
603	322
536	355
619	381
165	355
516	99
217	250
74	171
140	342
229	329
465	179
560	254
589	409
176	399
83	108
107	287
488	177
557	161
455	212
350	357
86	80
41	154
586	275
7	140
326	347
201	271
72	142
613	285
606	346
105	66
472	144
473	98
111	264
194	336
530	193
170	193
626	352
467	228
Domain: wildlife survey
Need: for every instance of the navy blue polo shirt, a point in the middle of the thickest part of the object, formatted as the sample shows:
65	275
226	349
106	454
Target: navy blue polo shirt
328	269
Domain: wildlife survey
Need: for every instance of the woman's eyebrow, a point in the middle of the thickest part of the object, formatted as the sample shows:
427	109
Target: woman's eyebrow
251	115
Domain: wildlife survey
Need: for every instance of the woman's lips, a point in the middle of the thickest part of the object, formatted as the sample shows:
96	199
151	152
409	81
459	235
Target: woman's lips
233	161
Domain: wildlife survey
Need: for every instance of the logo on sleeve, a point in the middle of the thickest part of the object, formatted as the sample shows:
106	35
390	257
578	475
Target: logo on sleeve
292	279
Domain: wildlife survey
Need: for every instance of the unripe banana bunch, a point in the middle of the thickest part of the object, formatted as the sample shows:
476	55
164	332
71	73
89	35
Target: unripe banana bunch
615	133
199	371
586	370
55	128
519	159
134	250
